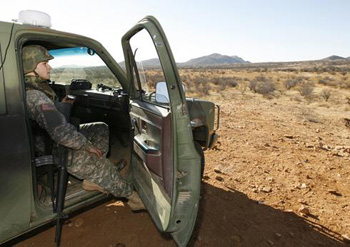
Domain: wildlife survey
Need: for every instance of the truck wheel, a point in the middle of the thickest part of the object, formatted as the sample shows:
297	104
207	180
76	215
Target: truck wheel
201	153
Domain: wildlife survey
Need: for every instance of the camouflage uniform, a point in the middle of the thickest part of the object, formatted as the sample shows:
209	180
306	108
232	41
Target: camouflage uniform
81	163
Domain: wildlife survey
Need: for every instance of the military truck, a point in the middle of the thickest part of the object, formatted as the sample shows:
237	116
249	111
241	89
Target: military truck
153	126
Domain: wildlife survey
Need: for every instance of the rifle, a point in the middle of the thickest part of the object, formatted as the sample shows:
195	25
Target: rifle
61	192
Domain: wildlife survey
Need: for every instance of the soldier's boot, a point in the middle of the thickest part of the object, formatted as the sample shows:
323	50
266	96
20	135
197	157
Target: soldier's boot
90	186
134	200
135	203
121	164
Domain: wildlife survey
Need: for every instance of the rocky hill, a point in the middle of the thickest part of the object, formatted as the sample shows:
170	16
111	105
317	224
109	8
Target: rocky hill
335	57
213	60
216	59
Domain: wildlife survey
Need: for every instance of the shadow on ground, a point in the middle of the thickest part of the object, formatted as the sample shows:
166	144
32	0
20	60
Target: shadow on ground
230	218
226	218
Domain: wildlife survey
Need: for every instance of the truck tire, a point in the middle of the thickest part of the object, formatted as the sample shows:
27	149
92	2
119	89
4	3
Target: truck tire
201	153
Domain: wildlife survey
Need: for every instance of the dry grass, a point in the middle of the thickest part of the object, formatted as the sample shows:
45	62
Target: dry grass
314	81
302	82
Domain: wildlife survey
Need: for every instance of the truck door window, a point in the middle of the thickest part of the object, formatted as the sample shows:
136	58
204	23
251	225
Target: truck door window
2	90
148	66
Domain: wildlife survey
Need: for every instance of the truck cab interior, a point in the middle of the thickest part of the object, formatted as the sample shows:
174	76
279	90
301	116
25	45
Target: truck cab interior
99	97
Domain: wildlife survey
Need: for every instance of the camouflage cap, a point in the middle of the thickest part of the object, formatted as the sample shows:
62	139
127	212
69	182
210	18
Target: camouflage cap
32	55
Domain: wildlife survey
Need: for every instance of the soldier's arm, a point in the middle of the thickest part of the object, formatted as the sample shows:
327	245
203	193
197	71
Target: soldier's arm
44	112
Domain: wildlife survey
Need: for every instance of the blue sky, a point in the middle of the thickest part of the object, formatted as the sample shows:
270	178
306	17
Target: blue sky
257	31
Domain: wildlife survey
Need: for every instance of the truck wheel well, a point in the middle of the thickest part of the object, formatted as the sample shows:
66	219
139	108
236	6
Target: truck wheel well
200	135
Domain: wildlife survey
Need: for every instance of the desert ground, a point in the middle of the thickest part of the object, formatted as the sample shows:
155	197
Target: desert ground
278	176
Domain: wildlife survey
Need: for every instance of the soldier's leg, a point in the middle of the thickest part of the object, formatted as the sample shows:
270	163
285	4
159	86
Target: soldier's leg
98	134
101	171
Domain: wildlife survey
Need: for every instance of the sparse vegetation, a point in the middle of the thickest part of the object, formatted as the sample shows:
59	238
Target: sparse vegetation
306	90
265	87
243	87
252	85
312	81
326	93
289	84
261	85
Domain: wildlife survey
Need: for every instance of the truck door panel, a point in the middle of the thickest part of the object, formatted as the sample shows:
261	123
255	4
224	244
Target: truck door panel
152	136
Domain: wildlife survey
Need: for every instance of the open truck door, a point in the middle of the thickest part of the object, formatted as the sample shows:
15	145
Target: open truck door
165	164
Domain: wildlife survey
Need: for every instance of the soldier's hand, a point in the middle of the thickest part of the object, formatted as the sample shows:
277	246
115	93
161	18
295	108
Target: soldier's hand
66	99
96	151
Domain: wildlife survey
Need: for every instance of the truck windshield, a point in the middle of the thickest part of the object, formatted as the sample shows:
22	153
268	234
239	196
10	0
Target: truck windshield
80	63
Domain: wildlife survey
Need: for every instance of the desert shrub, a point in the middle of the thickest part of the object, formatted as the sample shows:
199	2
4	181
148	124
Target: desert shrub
196	81
261	78
325	94
327	81
204	89
226	81
306	90
261	85
322	81
290	84
252	85
200	85
152	77
188	82
311	116
192	83
231	82
290	70
242	87
216	81
301	79
221	87
348	100
265	88
344	85
297	98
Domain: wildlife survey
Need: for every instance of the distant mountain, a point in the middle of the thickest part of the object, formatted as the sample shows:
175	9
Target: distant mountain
214	59
151	63
334	57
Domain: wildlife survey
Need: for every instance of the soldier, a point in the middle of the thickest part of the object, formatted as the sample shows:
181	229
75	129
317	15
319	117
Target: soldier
87	148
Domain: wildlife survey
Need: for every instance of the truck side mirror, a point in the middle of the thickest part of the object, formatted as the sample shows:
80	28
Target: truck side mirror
162	95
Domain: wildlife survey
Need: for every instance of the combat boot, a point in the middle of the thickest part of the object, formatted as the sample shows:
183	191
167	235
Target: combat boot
90	186
135	203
